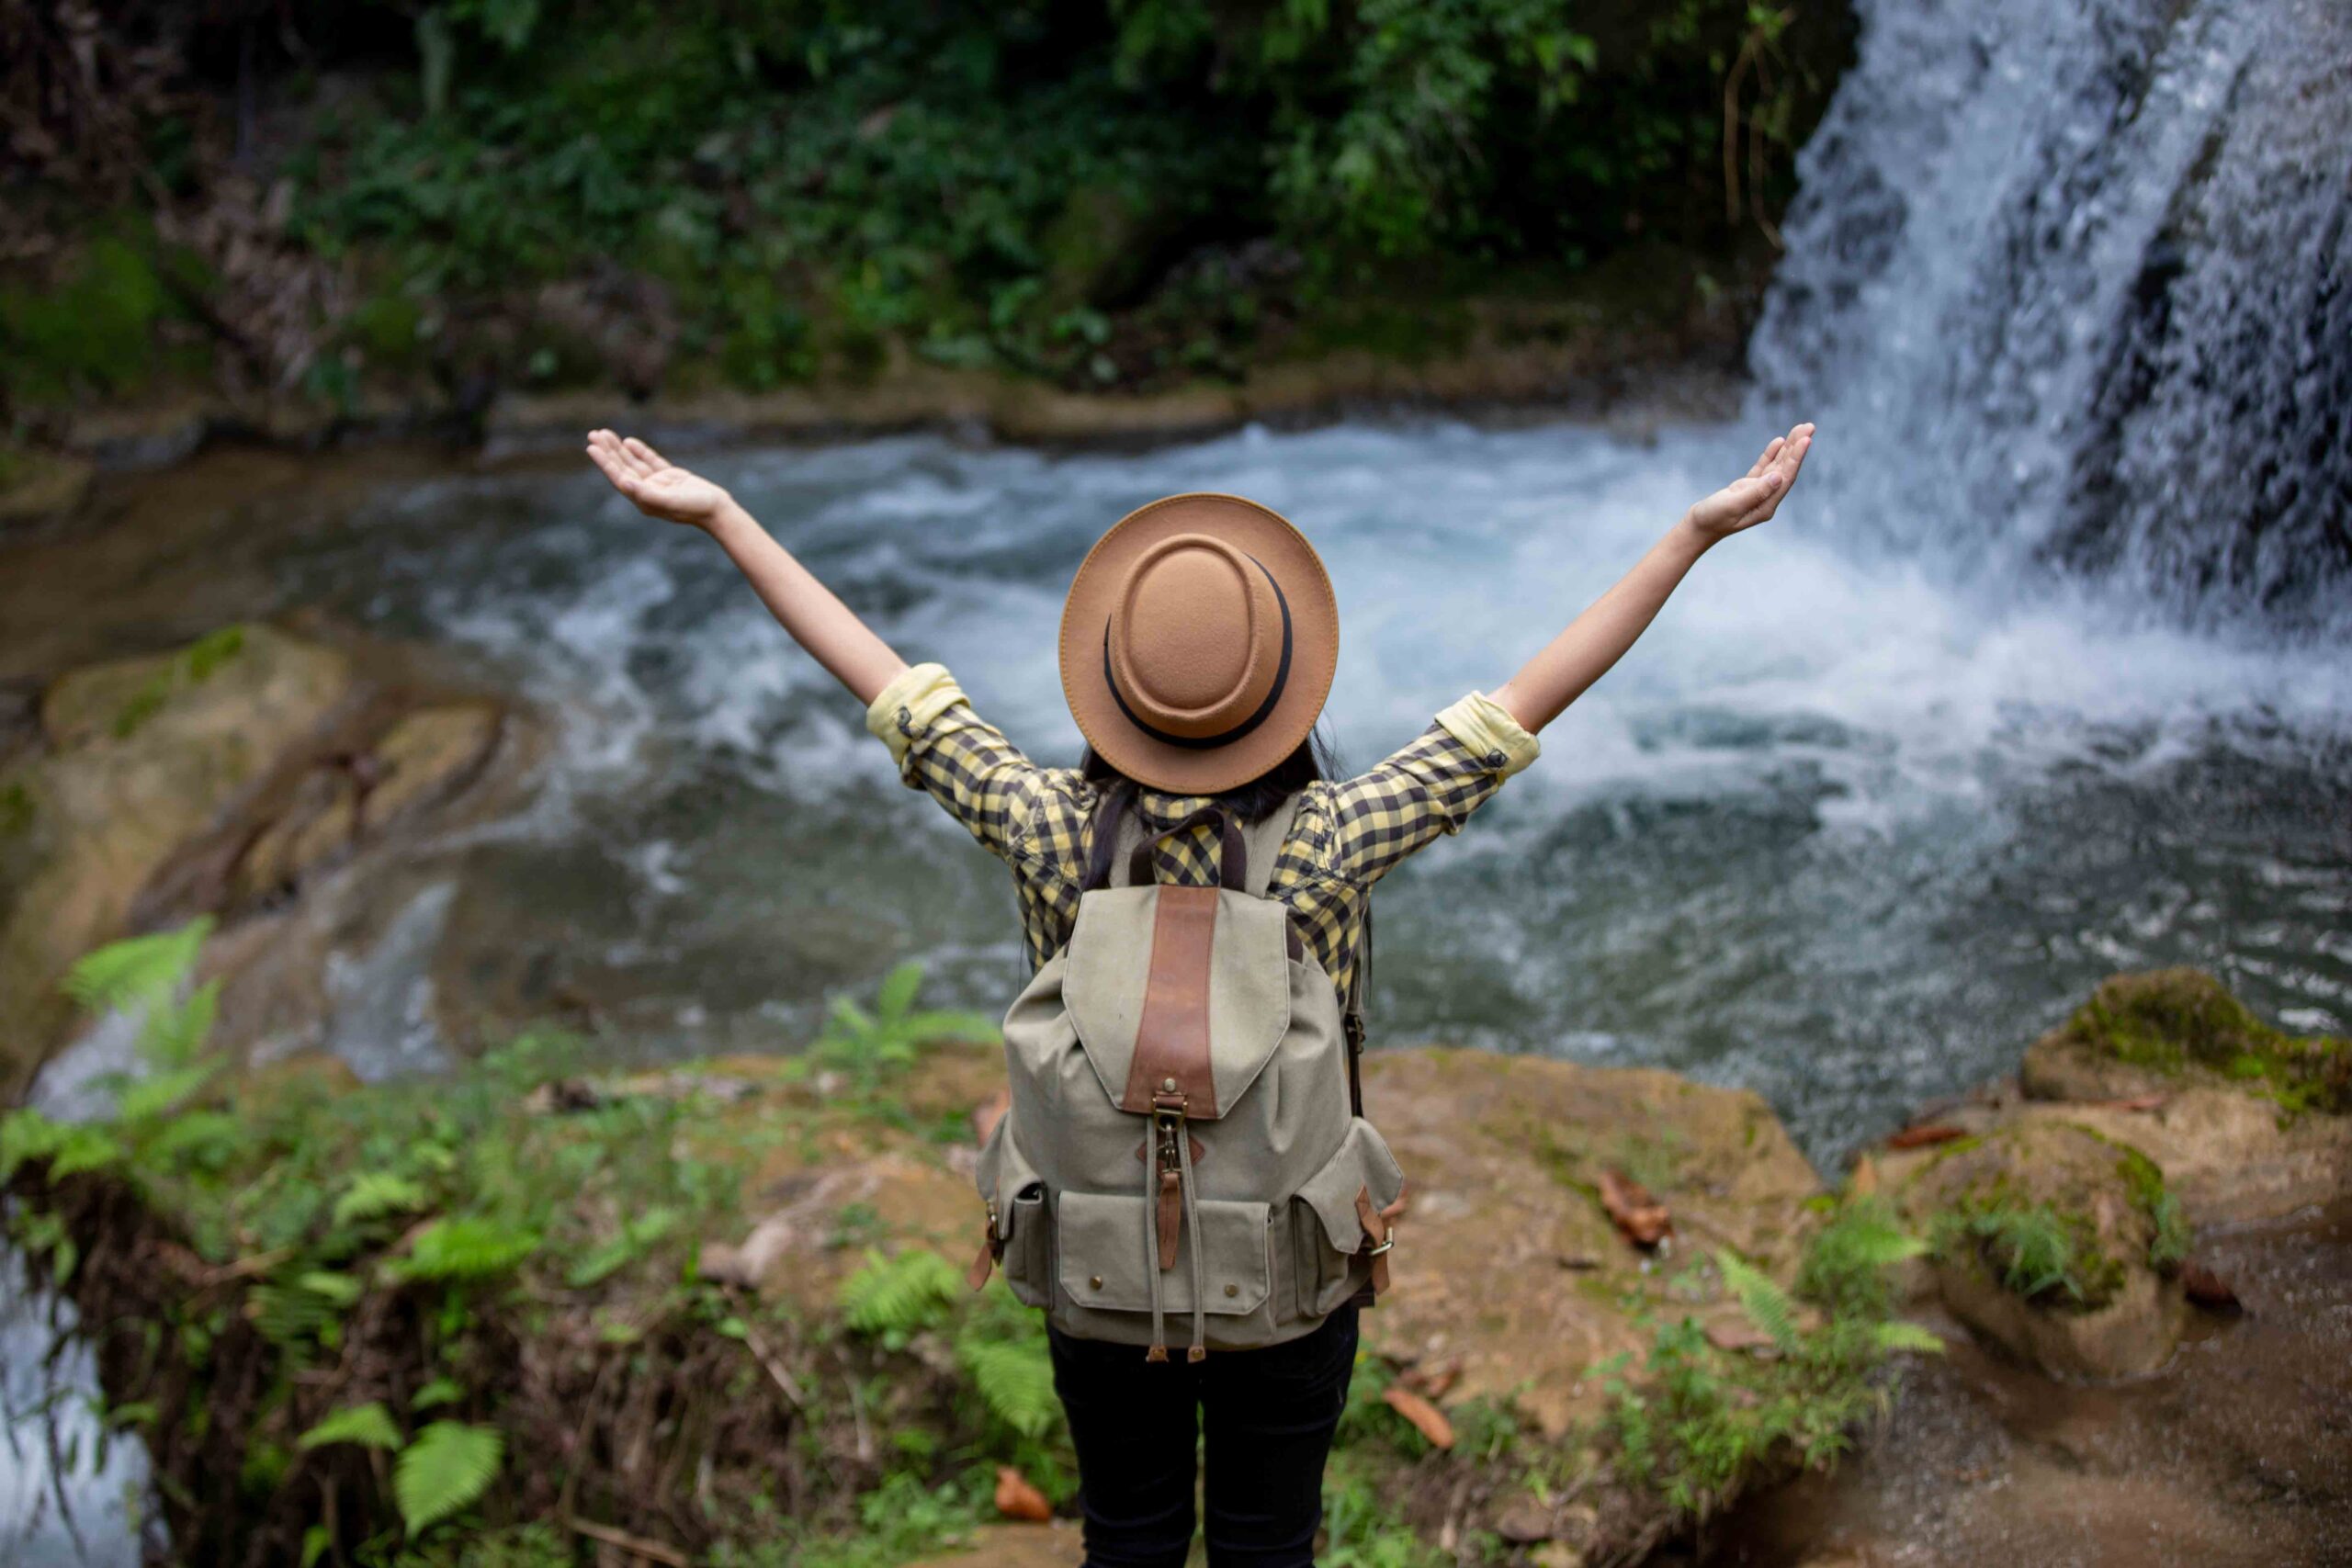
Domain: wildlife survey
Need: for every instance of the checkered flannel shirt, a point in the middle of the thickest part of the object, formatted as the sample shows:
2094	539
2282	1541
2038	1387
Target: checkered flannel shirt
1345	837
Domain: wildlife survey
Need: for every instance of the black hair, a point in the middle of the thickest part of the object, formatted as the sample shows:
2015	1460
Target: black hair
1314	759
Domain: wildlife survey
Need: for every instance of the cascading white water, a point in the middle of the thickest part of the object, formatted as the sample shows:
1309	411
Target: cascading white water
2080	274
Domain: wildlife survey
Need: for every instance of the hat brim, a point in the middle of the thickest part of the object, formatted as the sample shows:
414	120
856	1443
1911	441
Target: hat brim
1305	589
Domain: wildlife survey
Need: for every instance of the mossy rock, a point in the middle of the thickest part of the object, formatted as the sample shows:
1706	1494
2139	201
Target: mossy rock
141	755
87	322
2054	1242
2146	1032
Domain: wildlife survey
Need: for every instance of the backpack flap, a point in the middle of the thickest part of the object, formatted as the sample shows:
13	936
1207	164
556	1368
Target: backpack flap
1203	1015
1363	1168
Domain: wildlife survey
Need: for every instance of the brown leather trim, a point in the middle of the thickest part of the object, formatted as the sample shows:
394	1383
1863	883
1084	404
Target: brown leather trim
1378	1227
1172	1038
976	1276
1171	1218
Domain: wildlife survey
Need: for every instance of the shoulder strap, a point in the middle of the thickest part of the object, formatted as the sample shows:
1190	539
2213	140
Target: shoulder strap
1264	840
1351	1019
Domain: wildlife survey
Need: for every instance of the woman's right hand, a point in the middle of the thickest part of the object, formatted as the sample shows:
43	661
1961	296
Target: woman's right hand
658	486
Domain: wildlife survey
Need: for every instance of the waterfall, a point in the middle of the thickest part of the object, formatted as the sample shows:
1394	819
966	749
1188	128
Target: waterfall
2076	283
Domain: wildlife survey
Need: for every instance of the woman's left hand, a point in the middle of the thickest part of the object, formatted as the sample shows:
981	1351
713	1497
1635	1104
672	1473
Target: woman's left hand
1748	501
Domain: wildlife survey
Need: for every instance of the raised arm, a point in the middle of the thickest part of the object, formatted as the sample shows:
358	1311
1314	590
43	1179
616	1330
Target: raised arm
817	620
1596	639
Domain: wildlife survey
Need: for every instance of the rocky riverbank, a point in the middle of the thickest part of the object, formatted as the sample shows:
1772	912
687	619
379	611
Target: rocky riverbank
693	1311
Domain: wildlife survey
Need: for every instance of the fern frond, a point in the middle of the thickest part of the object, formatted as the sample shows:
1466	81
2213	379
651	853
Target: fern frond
26	1135
83	1148
446	1468
899	1295
898	992
1899	1335
342	1289
1767	1305
365	1425
374	1193
1015	1380
466	1249
137	968
157	1093
287	1314
440	1390
174	1036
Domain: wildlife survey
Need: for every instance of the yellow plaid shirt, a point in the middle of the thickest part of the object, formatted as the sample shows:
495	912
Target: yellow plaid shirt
1345	837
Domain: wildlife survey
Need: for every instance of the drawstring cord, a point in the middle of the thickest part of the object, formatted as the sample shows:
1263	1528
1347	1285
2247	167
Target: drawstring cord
1158	1351
1193	1223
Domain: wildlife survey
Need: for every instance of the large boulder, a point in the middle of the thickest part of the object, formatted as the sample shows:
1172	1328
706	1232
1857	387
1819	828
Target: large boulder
137	756
2057	1243
224	777
2247	1123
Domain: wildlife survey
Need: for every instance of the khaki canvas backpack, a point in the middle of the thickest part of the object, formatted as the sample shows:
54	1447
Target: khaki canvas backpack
1186	1138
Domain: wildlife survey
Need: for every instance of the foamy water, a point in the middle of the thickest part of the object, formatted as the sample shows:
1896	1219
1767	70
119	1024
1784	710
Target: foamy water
1844	827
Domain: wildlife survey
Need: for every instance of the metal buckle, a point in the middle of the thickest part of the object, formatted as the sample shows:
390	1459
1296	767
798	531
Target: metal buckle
1389	1233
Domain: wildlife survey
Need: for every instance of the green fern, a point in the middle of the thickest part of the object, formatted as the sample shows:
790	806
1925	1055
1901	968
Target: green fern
1015	1380
440	1390
895	1297
868	1046
466	1249
153	1095
1898	1335
26	1135
174	1036
374	1193
1767	1305
139	968
365	1425
446	1468
1845	1264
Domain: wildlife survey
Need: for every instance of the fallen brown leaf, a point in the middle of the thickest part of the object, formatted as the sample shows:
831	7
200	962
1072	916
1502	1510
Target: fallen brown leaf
1017	1499
1641	1217
1427	1418
2207	1288
1736	1333
1433	1378
1921	1137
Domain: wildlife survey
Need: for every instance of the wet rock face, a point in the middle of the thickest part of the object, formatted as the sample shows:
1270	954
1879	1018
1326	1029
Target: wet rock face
136	757
223	777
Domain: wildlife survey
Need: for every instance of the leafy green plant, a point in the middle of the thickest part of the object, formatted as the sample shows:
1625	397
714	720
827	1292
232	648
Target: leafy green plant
869	1047
443	1470
2034	1250
365	1425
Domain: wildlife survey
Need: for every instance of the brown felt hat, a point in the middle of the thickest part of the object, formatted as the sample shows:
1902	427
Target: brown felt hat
1198	642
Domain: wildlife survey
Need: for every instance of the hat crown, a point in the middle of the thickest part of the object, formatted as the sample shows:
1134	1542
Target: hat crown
1194	636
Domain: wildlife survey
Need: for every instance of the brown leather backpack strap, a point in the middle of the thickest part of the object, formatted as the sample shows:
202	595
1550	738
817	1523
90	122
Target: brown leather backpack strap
1351	1021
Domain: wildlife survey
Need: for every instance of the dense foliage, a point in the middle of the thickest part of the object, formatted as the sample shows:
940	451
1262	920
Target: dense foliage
1097	190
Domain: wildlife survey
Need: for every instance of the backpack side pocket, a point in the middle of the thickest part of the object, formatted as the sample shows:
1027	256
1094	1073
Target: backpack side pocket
1333	1253
1022	1232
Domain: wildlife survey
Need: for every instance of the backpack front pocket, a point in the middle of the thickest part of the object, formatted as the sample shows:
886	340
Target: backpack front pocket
1107	1256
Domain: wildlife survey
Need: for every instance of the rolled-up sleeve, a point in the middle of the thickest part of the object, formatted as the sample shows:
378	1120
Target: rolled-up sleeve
1487	732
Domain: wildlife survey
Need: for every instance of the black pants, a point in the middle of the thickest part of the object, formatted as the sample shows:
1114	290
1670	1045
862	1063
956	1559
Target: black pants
1269	1415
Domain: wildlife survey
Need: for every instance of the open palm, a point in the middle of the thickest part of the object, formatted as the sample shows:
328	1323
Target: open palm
658	486
1750	500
